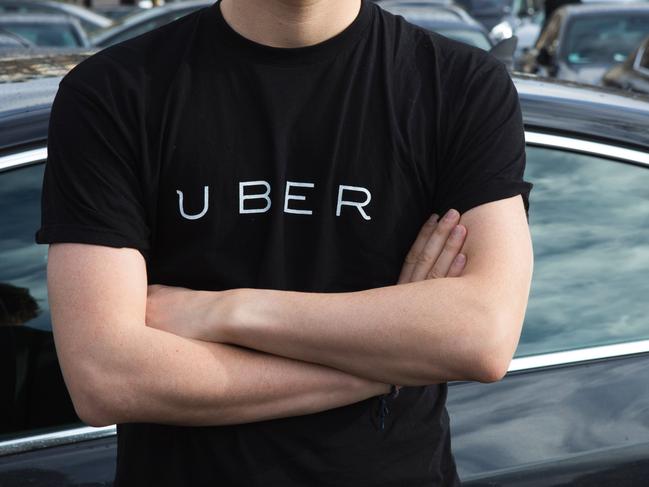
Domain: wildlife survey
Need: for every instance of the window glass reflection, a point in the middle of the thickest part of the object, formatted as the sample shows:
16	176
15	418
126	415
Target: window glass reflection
33	396
589	218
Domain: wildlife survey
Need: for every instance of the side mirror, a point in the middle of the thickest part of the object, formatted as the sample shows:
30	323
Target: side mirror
505	50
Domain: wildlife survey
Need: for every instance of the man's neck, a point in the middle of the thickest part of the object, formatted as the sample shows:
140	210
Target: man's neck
289	23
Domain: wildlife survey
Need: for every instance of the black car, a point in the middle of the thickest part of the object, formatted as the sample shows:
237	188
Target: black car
581	42
632	74
574	406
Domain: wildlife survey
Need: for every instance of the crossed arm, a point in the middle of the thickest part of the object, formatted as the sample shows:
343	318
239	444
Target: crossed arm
323	350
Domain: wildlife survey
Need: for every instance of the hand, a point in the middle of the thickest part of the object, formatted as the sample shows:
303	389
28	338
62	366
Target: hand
436	250
179	310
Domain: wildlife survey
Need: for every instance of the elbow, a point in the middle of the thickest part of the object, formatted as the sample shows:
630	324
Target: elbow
96	396
492	369
495	348
91	407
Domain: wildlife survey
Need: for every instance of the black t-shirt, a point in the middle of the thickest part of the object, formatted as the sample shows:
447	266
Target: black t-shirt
232	164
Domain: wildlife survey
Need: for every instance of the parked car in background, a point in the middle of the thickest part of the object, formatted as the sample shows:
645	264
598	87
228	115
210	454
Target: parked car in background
90	21
489	12
417	3
45	30
146	20
582	42
116	12
453	22
632	74
573	408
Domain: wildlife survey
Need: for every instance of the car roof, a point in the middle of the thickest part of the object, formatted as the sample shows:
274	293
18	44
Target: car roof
548	105
69	8
620	117
603	8
37	19
445	13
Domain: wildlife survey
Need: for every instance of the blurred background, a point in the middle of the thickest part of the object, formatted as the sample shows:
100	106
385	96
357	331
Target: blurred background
588	41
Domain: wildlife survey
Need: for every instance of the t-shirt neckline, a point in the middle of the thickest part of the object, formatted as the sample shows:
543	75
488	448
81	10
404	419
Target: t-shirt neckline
242	46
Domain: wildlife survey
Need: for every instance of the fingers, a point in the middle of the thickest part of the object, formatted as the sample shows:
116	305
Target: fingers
449	253
412	259
439	247
457	266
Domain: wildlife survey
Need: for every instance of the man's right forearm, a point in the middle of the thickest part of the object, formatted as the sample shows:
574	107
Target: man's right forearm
160	377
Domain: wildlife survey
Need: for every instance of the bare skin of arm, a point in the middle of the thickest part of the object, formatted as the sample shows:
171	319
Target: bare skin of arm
119	370
414	333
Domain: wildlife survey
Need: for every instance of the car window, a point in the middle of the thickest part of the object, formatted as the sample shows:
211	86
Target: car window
34	397
588	219
46	35
604	39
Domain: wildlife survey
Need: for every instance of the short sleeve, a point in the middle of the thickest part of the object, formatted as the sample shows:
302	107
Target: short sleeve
92	190
484	148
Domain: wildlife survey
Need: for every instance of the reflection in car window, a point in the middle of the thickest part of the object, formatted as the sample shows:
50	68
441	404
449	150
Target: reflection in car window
605	39
33	395
588	219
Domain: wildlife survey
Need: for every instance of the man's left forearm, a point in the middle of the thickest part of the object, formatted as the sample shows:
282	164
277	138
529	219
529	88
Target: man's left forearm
410	334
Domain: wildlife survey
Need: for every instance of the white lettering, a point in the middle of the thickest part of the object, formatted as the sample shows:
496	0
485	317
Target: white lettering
243	197
341	202
288	196
198	215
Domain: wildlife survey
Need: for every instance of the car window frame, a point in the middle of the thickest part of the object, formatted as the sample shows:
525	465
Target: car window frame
642	53
26	442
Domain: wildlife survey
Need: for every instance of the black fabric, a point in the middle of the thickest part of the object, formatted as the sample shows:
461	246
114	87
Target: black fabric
380	125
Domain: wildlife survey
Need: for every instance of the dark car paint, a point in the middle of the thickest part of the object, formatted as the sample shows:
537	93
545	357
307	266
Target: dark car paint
488	421
557	419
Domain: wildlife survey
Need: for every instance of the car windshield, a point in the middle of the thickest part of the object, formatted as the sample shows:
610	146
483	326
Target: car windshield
42	34
605	39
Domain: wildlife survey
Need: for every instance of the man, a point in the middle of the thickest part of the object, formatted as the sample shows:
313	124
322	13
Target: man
232	197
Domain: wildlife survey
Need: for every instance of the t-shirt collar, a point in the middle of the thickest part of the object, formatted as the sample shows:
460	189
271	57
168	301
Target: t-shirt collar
238	45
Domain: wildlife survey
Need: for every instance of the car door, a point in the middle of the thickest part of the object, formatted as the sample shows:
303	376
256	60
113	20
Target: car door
574	407
36	412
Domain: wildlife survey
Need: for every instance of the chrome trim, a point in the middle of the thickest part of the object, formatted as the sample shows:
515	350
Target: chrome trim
56	438
570	357
587	147
23	158
636	62
579	355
